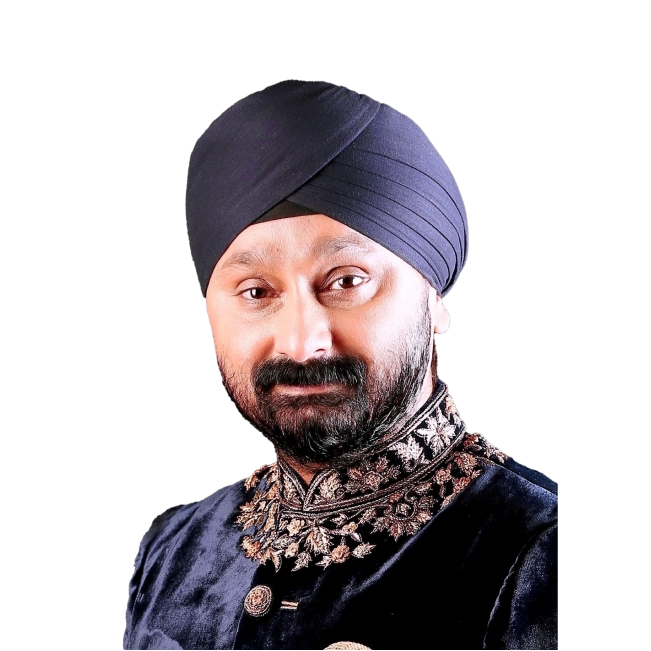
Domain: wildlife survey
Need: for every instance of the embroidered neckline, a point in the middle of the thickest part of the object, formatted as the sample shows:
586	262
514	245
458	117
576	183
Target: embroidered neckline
396	489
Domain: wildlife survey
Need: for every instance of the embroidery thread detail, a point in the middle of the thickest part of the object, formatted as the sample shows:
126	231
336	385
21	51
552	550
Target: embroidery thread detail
395	490
288	605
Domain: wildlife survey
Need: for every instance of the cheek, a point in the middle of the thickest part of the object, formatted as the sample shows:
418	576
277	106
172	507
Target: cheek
388	327
378	330
238	345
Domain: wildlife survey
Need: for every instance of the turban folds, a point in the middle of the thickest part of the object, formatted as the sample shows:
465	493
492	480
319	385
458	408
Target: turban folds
332	151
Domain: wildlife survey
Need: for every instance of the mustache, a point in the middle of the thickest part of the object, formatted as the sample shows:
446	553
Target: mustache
342	369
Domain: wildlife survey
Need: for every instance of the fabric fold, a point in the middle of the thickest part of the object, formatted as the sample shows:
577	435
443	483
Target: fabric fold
335	152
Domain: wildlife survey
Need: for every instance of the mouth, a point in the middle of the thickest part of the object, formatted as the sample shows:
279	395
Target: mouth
307	389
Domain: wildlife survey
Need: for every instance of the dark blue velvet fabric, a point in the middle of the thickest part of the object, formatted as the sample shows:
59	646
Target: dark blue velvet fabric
480	574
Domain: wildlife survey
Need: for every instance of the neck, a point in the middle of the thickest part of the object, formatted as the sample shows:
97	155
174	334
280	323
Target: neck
304	469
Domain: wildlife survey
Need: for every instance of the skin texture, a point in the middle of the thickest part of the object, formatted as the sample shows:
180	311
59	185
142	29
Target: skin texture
307	287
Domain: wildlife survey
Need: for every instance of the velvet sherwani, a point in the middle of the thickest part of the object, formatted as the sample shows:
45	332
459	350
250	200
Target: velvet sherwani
435	540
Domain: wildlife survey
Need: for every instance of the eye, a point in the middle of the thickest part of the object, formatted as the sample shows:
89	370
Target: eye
347	282
255	293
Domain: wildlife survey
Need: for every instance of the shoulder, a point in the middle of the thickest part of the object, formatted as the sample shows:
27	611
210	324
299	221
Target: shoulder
172	521
176	521
514	494
501	509
533	477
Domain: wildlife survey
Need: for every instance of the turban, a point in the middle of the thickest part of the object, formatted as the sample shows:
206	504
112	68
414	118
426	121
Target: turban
329	150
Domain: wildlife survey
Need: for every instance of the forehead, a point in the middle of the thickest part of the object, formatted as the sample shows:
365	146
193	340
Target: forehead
300	239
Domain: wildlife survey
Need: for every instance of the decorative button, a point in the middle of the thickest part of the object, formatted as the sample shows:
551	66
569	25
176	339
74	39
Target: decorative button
258	602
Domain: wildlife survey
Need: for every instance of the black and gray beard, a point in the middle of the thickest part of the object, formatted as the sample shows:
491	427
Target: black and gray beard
339	425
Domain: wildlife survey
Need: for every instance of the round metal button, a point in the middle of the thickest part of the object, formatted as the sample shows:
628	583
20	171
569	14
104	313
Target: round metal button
258	602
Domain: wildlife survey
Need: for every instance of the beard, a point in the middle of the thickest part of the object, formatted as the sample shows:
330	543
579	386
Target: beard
362	405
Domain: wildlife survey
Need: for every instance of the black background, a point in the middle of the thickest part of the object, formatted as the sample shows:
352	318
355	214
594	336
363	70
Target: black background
184	438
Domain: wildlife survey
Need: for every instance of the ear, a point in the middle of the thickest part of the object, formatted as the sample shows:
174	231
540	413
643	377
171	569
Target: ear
440	315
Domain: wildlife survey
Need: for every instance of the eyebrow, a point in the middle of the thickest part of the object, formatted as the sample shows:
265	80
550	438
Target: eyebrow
325	247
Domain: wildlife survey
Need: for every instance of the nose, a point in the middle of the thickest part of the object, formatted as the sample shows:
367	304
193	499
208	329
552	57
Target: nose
302	328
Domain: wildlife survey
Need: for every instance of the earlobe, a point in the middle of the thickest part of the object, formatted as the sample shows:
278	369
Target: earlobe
440	315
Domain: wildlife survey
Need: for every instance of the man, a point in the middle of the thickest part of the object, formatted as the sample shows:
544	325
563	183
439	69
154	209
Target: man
325	229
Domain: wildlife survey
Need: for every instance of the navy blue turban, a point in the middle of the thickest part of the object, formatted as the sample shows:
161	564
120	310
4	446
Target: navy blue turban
310	147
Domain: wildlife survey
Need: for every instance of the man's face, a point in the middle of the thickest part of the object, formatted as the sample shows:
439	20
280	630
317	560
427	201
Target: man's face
323	337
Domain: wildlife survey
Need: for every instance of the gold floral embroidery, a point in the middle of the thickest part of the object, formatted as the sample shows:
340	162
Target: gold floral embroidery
410	452
329	489
394	490
369	475
290	491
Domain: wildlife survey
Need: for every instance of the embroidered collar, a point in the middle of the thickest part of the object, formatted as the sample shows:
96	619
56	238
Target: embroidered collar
395	489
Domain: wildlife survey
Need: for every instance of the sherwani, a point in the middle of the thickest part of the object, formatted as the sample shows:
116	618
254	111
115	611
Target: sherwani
434	540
